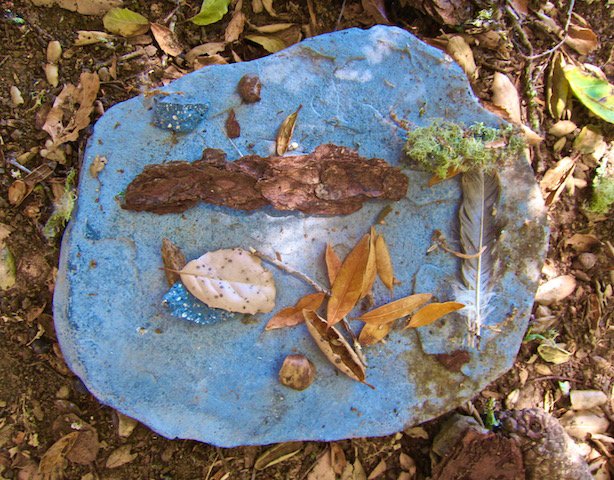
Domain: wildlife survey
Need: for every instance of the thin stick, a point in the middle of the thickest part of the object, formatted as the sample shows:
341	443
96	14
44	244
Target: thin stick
290	270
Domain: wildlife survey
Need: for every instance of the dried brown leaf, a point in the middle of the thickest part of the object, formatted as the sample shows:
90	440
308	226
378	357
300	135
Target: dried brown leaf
323	468
53	462
173	260
394	310
273	28
277	454
85	448
120	456
167	40
90	37
284	135
233	129
505	96
291	316
376	9
333	263
371	267
337	458
558	92
459	50
583	40
84	7
347	288
268	6
236	25
335	347
201	62
371	334
583	242
384	263
434	311
379	470
555	178
206	49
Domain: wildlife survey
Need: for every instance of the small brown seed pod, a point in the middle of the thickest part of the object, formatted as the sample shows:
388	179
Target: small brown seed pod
297	372
249	88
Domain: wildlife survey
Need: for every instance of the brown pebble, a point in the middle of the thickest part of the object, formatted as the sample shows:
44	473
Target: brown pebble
249	88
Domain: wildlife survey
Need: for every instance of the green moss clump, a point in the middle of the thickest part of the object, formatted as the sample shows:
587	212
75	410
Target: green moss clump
445	147
602	199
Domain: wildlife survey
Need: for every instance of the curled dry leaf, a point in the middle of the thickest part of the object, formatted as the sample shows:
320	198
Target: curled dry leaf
460	51
583	40
53	462
273	28
505	96
337	458
277	454
284	135
166	38
236	25
333	263
230	279
268	6
370	268
347	288
557	88
583	242
173	260
555	178
335	347
434	311
206	49
290	316
372	334
384	263
394	310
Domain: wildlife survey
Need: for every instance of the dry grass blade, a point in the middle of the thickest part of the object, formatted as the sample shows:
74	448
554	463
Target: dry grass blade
333	263
384	263
347	288
290	316
53	461
335	347
370	268
434	311
284	136
277	454
372	334
394	310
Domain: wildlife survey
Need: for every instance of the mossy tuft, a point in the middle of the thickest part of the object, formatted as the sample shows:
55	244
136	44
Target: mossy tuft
444	147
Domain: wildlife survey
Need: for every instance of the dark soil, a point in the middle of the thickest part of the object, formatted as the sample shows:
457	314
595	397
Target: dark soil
36	388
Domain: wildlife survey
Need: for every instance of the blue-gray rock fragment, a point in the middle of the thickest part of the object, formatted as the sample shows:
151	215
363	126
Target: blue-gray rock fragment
178	112
218	383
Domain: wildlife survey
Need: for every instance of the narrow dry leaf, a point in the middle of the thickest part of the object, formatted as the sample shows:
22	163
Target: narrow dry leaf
371	267
236	25
562	128
459	50
167	40
371	334
270	43
583	40
337	458
120	456
394	310
333	263
555	178
268	6
21	188
277	454
407	463
557	88
230	279
53	462
173	260
257	6
204	49
583	242
384	263
125	22
354	472
432	312
505	96
378	471
284	135
291	316
347	287
322	468
376	9
90	37
233	129
335	347
201	62
273	28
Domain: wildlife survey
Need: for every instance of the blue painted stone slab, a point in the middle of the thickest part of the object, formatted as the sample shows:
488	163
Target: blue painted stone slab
218	383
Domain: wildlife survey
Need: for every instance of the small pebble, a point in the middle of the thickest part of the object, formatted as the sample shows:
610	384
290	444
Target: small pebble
104	74
587	399
16	97
562	128
555	290
54	52
52	74
587	260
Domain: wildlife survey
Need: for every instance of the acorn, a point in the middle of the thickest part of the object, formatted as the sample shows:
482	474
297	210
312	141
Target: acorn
297	372
249	88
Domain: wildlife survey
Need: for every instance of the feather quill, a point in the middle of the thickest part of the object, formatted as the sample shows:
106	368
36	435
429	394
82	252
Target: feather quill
478	238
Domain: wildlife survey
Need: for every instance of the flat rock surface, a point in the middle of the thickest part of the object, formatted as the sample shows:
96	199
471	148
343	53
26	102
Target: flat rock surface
218	383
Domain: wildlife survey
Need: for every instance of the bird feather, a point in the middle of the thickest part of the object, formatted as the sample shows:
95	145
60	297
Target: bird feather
479	233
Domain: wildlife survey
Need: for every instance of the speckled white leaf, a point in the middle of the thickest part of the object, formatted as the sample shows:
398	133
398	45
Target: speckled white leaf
230	279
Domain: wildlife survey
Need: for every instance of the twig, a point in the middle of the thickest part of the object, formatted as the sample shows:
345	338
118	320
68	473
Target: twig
290	270
340	15
124	58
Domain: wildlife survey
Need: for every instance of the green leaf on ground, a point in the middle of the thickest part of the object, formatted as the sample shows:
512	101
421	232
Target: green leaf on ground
211	11
593	91
124	22
270	43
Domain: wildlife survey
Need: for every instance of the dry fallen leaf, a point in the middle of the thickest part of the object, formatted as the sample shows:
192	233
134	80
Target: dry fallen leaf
236	25
273	28
379	470
277	454
85	448
334	346
371	334
394	310
290	316
268	6
505	96
583	242
555	178
459	50
337	458
558	92
333	263
322	468
270	43
90	37
206	49
120	456
284	135
583	40
173	260
230	279
384	263
376	9
84	7
370	268
167	40
53	461
347	287
434	311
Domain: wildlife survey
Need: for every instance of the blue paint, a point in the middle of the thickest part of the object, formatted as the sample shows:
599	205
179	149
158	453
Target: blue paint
218	383
183	305
178	112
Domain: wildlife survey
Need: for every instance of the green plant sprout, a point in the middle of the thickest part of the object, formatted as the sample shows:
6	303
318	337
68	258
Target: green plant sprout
446	147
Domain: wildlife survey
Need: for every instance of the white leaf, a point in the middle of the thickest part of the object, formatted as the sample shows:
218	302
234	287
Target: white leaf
230	279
